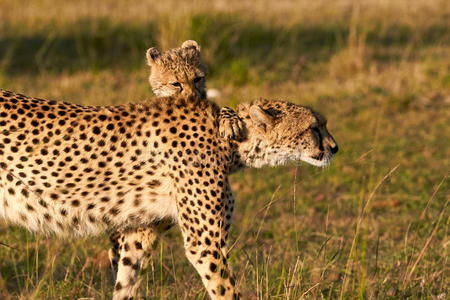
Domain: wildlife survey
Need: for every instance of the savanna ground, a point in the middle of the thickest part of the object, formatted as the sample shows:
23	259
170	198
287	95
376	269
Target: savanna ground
373	225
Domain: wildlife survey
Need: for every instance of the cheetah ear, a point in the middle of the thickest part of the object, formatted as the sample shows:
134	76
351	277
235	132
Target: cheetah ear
152	56
191	44
261	119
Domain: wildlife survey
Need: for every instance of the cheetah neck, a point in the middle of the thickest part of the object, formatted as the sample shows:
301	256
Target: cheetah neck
255	150
256	153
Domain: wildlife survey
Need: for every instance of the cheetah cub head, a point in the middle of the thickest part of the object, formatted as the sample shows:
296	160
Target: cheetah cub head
178	71
280	132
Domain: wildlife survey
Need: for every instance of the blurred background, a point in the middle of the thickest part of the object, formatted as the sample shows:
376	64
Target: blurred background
373	225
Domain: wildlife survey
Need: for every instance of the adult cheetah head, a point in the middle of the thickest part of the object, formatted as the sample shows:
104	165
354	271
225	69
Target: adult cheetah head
178	71
280	132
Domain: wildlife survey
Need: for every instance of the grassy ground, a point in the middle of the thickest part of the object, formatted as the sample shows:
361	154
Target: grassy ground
374	225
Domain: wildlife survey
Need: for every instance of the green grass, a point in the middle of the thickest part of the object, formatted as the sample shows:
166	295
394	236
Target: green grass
373	225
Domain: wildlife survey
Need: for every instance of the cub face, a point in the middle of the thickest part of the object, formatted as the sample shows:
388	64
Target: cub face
285	132
178	71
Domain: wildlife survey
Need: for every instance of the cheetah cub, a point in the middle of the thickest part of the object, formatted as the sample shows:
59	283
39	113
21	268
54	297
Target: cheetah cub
181	72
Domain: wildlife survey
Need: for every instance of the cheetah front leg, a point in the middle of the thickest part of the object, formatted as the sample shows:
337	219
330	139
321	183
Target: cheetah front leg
202	222
116	238
148	233
134	246
114	252
230	125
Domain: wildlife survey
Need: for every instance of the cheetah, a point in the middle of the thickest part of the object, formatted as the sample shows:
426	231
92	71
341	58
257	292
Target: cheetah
72	169
181	71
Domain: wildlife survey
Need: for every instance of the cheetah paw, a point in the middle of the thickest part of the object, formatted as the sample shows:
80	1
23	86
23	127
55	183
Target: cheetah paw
230	125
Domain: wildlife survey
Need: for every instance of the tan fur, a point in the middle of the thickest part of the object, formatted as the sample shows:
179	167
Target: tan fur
178	71
181	72
140	168
280	132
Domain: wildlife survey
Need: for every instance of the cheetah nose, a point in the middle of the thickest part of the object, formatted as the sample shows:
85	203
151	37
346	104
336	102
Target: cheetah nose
334	149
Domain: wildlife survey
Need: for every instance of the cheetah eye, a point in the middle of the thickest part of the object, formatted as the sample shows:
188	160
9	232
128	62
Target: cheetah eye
176	84
198	79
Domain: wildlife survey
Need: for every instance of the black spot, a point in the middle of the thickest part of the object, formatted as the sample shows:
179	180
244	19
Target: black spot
25	192
138	245
114	211
232	281
213	267
221	290
154	183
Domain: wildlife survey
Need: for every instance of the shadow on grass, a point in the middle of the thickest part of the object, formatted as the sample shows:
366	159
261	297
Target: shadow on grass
232	45
87	44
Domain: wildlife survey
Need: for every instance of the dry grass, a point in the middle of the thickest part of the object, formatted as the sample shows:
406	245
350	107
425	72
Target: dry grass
374	225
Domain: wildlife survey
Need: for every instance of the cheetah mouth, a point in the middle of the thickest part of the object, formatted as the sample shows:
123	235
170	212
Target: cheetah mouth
322	160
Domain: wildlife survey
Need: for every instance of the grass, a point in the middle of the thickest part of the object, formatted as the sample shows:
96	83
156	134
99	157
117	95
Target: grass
373	225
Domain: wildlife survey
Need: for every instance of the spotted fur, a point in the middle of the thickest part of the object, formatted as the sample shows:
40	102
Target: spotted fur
179	72
182	72
141	168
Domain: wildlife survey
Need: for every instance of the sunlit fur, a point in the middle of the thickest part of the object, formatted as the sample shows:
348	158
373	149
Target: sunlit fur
279	132
178	71
181	72
72	169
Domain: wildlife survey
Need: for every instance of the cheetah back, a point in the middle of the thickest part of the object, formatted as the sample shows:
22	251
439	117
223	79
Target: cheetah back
72	168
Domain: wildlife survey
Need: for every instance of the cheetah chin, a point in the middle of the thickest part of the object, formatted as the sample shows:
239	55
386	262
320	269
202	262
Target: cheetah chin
318	163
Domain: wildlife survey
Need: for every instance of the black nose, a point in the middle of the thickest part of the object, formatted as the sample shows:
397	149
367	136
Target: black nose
334	149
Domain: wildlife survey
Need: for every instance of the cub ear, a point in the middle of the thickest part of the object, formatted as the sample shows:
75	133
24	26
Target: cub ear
191	44
261	119
152	56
